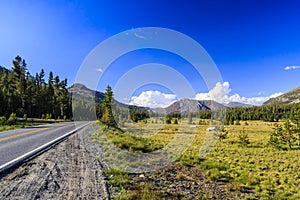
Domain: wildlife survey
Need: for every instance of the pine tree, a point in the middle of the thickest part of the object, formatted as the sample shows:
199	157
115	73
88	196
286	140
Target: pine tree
50	94
22	93
243	138
19	83
168	119
284	135
107	116
190	119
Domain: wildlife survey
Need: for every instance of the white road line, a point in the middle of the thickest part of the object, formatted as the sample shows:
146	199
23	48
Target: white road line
30	154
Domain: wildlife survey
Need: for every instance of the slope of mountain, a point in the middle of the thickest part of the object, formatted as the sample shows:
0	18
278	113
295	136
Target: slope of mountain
181	106
237	105
291	96
82	91
192	105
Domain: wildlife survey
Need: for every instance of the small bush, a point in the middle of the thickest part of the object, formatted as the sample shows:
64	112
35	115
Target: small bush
25	118
202	122
223	134
168	121
243	138
237	122
48	116
2	120
12	120
176	121
284	137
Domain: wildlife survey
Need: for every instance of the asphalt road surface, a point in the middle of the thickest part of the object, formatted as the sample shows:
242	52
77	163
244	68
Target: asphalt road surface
72	169
15	143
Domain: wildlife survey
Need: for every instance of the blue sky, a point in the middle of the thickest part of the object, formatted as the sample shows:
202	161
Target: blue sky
251	42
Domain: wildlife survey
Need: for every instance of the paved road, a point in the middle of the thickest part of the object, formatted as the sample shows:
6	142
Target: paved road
72	169
15	143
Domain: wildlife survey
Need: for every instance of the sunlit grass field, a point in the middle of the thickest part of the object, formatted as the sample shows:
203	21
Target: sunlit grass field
258	170
270	172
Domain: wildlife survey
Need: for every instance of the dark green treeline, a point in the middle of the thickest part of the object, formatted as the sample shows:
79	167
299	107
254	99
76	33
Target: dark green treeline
270	113
25	94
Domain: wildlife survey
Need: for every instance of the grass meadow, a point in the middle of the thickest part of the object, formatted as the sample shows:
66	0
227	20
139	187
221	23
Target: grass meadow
256	169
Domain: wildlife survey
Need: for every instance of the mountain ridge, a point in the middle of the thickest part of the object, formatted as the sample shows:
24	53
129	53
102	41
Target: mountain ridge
187	105
80	90
181	106
291	96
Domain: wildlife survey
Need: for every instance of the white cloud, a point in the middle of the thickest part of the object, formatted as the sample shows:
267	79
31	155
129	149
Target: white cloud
291	67
221	94
276	94
100	70
252	100
218	93
153	99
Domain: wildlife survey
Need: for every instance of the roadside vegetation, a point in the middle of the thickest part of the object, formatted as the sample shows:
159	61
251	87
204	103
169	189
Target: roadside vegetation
32	96
256	158
12	122
246	164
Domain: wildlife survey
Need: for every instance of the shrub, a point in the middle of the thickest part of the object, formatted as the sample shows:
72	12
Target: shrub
176	121
190	119
25	117
284	136
169	119
243	138
48	116
2	120
223	134
12	119
202	122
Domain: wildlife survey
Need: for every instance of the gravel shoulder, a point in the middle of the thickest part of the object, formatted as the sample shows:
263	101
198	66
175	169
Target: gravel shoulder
70	170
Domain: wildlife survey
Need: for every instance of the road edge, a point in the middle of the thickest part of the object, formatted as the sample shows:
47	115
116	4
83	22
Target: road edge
37	151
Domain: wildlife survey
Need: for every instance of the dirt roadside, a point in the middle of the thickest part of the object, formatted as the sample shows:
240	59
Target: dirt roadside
70	170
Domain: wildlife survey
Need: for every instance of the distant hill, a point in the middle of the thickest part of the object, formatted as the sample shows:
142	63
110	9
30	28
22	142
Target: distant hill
291	96
192	105
180	106
237	105
81	90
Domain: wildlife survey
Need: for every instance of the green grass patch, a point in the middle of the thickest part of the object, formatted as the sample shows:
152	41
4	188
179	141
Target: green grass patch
117	178
136	142
268	172
27	124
